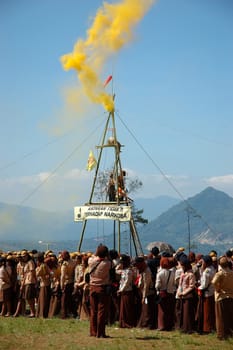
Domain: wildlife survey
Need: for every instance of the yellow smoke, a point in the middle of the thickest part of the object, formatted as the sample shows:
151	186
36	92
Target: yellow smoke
111	30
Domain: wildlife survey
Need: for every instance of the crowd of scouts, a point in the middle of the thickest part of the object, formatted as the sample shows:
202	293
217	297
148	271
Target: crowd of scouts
187	292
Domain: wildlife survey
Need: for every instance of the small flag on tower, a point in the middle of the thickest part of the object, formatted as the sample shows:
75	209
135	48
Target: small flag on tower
91	163
108	80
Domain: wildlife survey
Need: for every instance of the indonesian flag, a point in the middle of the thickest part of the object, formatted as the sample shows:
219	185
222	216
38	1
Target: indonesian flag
108	80
91	162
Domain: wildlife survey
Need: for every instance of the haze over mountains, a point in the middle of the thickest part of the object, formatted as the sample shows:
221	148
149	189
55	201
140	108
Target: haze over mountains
25	223
208	221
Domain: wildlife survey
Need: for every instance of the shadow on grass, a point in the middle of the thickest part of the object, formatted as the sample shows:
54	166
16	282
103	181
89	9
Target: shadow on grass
147	338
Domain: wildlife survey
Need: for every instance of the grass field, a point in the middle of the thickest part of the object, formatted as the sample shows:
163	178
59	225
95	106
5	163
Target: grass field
34	334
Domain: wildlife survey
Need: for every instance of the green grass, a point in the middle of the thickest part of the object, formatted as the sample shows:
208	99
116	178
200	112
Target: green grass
34	334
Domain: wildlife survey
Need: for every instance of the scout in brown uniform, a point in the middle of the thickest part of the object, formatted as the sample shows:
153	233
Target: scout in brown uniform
205	314
147	292
55	277
28	286
43	277
165	286
20	308
99	266
84	287
185	292
5	287
78	291
67	284
223	284
127	314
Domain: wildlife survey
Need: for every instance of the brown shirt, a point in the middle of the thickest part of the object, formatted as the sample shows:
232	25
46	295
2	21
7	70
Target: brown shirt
78	274
67	272
20	271
29	272
99	276
145	283
223	283
55	276
5	277
43	275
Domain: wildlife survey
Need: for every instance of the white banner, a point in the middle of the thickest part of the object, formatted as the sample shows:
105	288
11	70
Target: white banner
103	212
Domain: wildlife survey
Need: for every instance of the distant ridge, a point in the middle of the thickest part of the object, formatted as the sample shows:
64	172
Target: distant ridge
212	230
211	222
25	223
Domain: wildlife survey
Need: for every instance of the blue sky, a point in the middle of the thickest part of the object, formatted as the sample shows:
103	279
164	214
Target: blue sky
174	91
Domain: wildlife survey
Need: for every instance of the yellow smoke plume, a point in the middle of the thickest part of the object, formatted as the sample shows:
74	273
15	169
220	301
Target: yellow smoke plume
111	30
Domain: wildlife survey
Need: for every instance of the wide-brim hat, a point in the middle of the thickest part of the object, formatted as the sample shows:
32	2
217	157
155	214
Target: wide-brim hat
24	253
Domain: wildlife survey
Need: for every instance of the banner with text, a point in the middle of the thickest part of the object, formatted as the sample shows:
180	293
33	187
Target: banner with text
103	212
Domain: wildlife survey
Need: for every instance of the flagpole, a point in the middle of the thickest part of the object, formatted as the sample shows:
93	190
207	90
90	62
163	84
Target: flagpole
121	198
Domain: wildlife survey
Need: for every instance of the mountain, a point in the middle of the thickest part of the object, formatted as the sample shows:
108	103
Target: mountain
25	223
29	224
208	222
204	221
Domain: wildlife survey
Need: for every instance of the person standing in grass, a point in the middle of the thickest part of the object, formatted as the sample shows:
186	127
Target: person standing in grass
5	288
146	287
55	277
78	290
28	286
165	286
84	287
178	301
127	317
205	307
67	284
20	300
43	277
223	284
185	293
99	269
